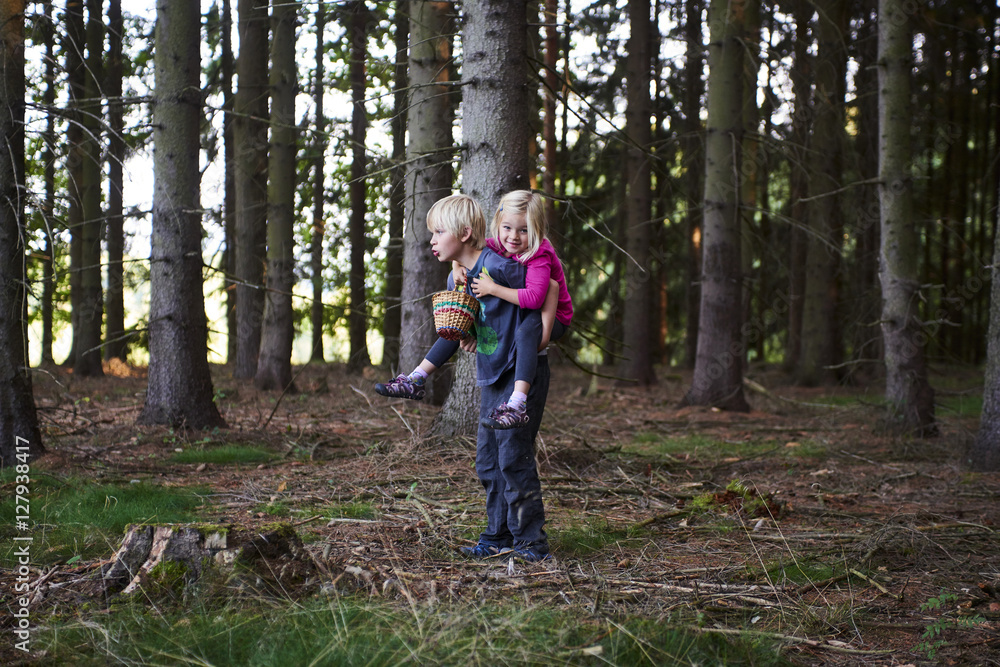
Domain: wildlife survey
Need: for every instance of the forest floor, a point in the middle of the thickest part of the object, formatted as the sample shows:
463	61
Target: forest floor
795	527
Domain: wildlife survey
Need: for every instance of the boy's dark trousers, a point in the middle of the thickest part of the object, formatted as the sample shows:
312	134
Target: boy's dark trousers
505	463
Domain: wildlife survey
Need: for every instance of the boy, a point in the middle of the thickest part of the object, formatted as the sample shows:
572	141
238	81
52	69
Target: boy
505	459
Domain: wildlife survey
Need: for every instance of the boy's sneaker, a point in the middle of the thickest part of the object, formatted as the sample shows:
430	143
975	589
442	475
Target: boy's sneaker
481	551
504	417
401	387
529	554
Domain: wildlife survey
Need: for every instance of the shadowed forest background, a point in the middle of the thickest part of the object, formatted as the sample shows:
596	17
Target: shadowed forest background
778	225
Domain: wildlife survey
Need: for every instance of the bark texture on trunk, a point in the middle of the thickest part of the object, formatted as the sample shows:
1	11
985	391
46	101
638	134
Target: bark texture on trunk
639	275
274	365
908	392
20	438
496	133
180	385
820	344
984	455
428	178
250	134
718	370
357	318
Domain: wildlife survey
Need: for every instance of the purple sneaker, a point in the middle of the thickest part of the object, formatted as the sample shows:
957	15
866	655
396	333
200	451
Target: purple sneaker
401	387
504	417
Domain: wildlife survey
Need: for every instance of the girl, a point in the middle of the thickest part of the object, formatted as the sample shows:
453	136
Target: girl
518	232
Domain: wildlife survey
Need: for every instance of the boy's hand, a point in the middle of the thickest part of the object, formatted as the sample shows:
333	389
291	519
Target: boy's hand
458	274
483	285
468	344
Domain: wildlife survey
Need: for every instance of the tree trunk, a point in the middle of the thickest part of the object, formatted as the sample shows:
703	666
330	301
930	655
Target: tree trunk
164	561
358	315
694	169
20	438
76	83
392	322
718	370
751	165
428	178
229	194
116	345
984	454
865	338
250	133
318	191
180	386
49	205
551	78
908	392
637	363
274	365
798	184
820	330
496	133
91	317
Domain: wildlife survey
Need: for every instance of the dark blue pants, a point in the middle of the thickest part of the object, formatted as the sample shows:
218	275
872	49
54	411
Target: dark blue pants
441	351
505	463
526	340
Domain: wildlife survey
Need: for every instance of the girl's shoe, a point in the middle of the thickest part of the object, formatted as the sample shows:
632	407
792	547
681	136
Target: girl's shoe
400	387
504	417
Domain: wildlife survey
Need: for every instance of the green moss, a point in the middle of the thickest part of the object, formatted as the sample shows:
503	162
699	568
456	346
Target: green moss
224	454
80	518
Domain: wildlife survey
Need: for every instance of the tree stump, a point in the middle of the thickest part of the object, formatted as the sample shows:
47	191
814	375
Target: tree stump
172	558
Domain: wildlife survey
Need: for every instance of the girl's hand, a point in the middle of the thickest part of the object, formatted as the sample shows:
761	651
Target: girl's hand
468	344
483	285
458	274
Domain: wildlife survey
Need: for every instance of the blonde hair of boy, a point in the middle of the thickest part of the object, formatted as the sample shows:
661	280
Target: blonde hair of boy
531	206
455	214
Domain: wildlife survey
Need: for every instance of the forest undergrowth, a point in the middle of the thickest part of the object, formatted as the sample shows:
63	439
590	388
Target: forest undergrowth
792	534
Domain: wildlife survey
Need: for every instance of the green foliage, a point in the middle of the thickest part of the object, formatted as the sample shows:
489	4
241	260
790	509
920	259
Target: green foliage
76	518
278	508
352	631
695	445
355	509
578	540
932	638
800	571
225	454
963	405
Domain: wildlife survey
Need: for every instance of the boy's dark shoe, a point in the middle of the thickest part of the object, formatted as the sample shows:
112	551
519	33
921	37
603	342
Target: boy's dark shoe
401	387
481	551
505	417
529	554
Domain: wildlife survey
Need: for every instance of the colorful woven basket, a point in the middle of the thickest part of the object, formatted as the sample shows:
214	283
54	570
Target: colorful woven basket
455	313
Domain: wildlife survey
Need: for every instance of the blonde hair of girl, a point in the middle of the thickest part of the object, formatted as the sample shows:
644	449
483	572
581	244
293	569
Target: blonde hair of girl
531	206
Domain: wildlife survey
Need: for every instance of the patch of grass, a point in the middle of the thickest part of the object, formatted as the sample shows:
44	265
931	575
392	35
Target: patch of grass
705	448
582	539
659	445
962	405
225	454
799	572
352	510
278	508
77	518
804	449
347	631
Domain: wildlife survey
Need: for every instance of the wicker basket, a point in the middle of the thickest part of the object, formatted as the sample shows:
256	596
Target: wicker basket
455	313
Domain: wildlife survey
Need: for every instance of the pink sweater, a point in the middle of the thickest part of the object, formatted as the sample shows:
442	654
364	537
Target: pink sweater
543	266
